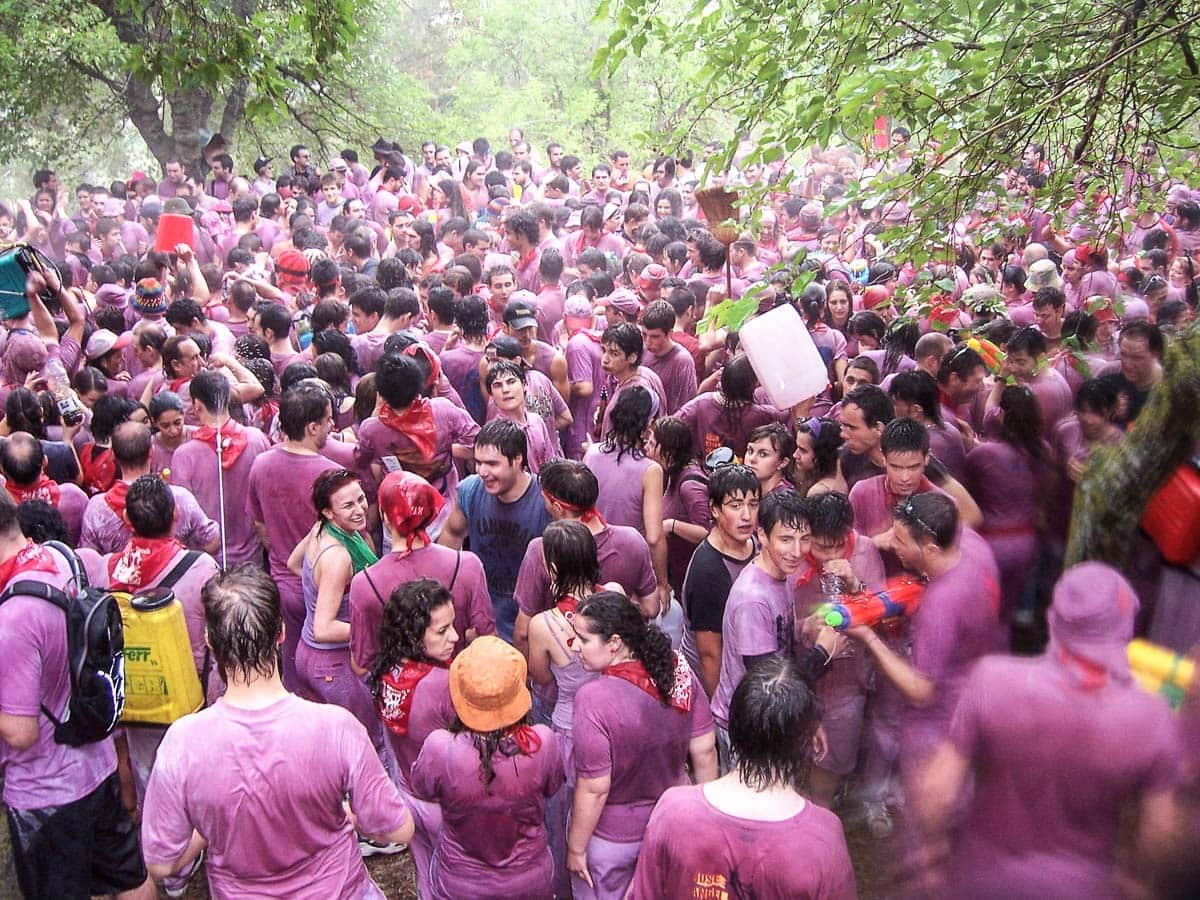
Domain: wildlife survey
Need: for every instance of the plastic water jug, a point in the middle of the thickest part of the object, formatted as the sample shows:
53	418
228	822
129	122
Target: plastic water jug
784	357
161	684
173	230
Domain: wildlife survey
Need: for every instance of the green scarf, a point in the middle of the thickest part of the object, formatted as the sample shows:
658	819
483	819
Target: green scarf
361	554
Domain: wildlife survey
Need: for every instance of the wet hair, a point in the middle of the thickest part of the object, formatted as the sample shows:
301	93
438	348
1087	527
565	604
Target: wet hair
295	373
675	446
500	368
918	387
1022	426
398	379
628	418
23	412
109	412
874	402
827	442
1098	396
406	616
471	315
929	516
608	613
659	316
773	716
300	406
243	621
571	561
275	317
899	340
1148	332
627	337
781	439
962	361
164	401
1027	340
89	379
785	507
150	507
570	481
865	364
1049	296
727	481
41	522
326	485
212	390
904	435
866	323
830	515
507	437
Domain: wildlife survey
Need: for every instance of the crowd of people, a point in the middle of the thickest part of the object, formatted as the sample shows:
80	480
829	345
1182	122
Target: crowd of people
491	545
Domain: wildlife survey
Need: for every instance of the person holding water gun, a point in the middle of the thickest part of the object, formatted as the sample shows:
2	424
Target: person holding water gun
840	562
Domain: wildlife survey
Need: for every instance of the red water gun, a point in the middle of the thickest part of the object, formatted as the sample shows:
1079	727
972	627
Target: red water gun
900	598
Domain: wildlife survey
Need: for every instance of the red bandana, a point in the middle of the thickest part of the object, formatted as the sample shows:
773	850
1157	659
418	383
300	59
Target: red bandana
115	498
525	737
635	673
233	441
30	558
415	423
44	488
140	562
590	514
99	467
814	567
396	693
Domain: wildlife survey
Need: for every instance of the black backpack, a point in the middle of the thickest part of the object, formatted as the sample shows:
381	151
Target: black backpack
95	653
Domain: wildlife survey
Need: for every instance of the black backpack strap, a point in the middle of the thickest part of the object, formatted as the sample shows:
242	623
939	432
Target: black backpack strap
457	563
180	569
378	596
50	594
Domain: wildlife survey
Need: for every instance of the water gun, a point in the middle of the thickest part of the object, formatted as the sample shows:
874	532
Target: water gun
993	356
900	598
1159	670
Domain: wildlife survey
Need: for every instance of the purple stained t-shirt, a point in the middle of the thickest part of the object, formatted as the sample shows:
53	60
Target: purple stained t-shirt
431	709
760	618
234	774
622	553
677	371
693	849
195	468
583	365
105	532
493	838
472	604
621	496
622	731
1055	767
715	425
956	624
33	674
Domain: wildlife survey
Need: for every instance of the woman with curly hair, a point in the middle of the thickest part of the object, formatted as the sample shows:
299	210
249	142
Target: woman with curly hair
491	772
634	731
410	679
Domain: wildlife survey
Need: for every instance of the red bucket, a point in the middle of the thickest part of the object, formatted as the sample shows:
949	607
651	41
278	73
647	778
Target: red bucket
173	230
1172	517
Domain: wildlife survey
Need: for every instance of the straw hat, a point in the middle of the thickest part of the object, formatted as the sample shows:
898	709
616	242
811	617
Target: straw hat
487	685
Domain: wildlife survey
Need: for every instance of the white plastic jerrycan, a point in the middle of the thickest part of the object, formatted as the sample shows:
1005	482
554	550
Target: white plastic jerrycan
784	357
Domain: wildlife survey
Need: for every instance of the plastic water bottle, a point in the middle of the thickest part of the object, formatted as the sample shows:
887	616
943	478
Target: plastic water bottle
60	386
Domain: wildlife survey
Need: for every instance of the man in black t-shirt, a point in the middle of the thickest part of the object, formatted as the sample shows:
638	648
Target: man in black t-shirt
733	495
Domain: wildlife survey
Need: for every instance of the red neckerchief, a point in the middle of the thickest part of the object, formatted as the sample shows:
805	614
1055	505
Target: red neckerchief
233	441
415	423
1091	677
527	259
525	737
44	488
98	467
396	691
814	567
115	497
177	383
30	558
587	332
891	501
582	242
635	673
142	560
